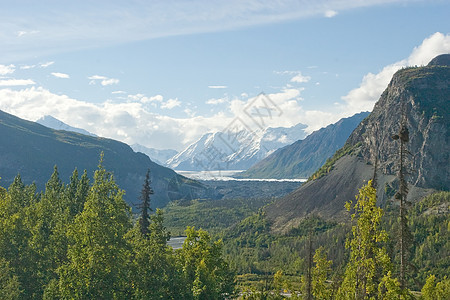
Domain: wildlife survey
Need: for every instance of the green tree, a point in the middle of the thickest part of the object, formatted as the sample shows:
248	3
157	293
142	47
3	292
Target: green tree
98	254
433	290
322	269
144	221
368	258
206	273
15	235
9	283
153	269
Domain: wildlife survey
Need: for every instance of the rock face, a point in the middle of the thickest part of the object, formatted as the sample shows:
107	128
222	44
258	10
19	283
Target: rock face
302	158
420	98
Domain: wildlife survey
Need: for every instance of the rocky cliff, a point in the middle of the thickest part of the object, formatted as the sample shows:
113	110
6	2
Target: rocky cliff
417	97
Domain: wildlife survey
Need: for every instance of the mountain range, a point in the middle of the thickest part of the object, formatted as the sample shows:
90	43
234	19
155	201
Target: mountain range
160	156
234	150
302	158
417	98
32	150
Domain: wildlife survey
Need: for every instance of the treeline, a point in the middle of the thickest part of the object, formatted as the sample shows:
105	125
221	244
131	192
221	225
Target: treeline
360	260
80	241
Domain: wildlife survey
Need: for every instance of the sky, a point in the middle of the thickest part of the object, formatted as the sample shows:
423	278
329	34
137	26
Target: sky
163	73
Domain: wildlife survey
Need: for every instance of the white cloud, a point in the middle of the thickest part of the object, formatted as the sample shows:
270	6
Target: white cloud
16	82
364	97
46	64
330	13
217	86
144	99
130	122
40	65
214	101
118	92
109	81
171	103
299	78
21	33
103	80
60	75
134	122
5	70
97	77
27	67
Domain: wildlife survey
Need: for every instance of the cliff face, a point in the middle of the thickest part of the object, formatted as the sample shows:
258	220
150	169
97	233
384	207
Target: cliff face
421	98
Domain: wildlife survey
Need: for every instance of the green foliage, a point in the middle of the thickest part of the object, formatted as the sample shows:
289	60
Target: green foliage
77	241
320	273
9	283
433	290
98	254
211	215
152	265
368	257
203	267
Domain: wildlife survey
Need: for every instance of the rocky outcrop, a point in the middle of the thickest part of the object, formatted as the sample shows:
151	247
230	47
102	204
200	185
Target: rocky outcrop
420	97
416	97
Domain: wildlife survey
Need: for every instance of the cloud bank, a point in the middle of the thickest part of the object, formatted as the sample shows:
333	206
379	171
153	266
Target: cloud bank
134	120
372	85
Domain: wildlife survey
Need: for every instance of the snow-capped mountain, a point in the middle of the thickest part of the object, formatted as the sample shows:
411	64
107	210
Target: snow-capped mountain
234	150
53	123
158	156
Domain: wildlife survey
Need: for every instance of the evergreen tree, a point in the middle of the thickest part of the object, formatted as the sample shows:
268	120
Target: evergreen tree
319	287
369	261
404	237
433	290
9	283
15	236
144	221
98	255
206	273
154	273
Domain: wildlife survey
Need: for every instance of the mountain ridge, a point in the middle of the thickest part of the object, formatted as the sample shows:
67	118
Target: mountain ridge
302	158
225	150
33	150
423	95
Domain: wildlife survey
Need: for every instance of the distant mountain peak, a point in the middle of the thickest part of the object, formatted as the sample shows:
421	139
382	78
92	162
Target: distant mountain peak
234	150
53	123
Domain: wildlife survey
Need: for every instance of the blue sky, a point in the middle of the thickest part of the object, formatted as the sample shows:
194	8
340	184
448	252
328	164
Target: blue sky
162	73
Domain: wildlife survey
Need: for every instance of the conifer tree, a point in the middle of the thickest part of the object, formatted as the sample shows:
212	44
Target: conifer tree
404	236
368	258
319	287
98	255
144	221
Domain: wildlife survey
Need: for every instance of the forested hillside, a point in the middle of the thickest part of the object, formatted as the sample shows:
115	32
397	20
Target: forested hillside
33	150
79	241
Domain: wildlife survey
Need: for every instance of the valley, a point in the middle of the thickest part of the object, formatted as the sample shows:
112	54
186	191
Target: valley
219	150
